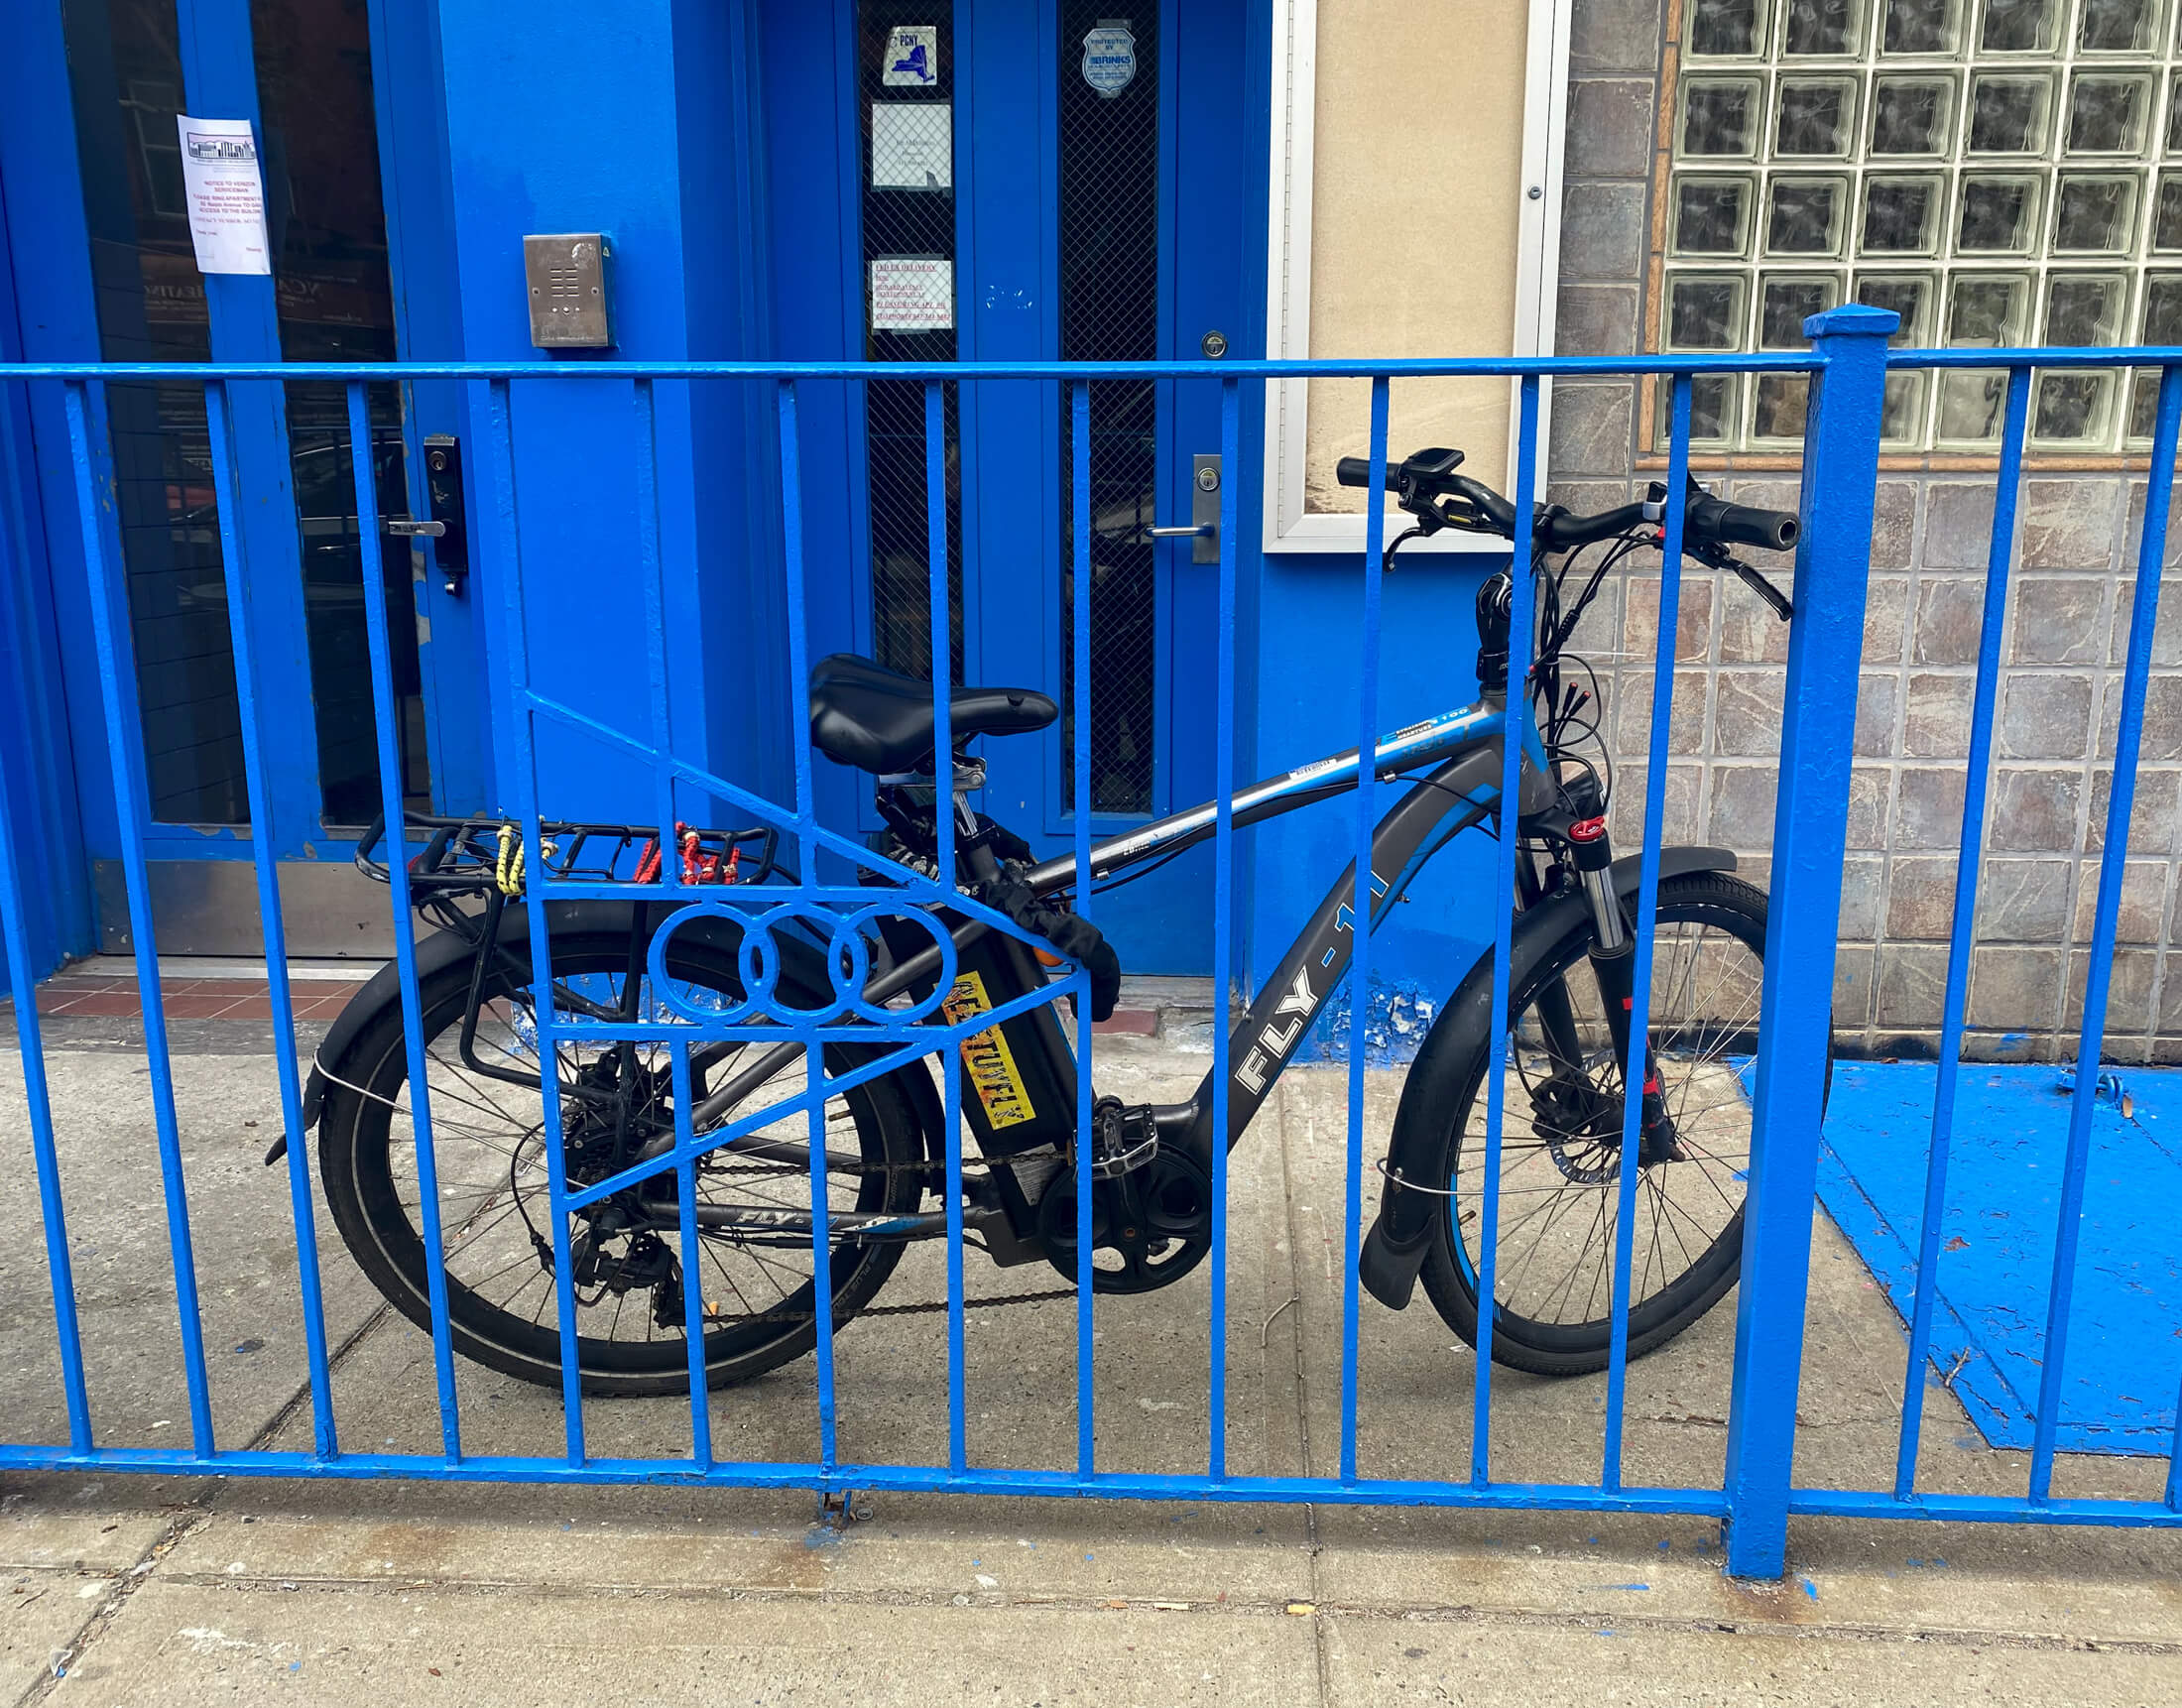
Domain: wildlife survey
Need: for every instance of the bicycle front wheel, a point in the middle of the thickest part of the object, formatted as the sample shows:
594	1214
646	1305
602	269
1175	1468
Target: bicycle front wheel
1561	1163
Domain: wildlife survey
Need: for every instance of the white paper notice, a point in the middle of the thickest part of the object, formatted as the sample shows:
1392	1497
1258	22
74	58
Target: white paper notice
912	294
219	173
911	145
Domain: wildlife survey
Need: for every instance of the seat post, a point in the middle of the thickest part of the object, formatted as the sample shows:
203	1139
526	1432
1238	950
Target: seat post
969	776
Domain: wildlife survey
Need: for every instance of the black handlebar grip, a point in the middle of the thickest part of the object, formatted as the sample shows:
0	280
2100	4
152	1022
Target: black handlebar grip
1739	525
1357	471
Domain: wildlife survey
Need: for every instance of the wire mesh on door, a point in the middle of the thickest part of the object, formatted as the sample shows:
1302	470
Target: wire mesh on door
1110	311
906	82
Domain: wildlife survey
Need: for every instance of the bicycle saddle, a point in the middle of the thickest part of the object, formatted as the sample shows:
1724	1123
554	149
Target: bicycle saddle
880	720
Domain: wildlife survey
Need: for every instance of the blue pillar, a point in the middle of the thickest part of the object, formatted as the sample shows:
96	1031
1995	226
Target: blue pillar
1795	1018
221	82
636	125
38	795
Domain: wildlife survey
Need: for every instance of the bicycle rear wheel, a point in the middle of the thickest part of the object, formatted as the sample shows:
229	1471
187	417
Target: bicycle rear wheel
1561	1163
631	1270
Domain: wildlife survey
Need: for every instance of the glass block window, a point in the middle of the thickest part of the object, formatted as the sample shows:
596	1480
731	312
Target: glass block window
1995	172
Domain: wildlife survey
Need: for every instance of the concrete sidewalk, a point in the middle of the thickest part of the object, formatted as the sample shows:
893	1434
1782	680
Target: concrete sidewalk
150	1592
143	1593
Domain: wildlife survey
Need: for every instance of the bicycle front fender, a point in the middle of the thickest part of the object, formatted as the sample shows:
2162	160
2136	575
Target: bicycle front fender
1420	1154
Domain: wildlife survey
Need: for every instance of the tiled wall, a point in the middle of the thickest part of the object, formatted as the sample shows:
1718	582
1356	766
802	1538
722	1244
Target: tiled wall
2068	627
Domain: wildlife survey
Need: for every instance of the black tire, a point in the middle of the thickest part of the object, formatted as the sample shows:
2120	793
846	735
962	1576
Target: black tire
1689	1211
365	1155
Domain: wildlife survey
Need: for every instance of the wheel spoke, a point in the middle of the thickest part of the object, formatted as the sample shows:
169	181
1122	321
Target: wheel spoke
488	1142
1563	1155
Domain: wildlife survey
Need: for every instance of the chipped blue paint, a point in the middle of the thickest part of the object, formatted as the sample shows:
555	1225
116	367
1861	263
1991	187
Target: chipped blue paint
1396	1016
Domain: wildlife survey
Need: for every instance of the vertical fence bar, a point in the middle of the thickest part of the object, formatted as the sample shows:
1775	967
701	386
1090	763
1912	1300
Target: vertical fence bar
523	736
219	432
652	576
1795	1012
125	755
1520	614
29	1044
1079	577
2099	972
942	618
1636	1072
1223	923
1360	910
1963	930
798	645
694	1314
398	887
2174	1461
814	1066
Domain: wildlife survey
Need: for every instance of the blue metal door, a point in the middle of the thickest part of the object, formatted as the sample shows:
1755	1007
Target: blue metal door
1067	181
342	99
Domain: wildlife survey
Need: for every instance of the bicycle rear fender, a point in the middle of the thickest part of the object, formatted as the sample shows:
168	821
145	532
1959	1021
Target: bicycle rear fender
1419	1151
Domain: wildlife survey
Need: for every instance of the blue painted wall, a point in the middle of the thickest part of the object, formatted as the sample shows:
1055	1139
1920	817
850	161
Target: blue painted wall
688	134
45	301
1307	675
638	131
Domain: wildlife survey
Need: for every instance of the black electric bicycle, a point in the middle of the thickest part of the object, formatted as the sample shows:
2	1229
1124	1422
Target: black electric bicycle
1566	1064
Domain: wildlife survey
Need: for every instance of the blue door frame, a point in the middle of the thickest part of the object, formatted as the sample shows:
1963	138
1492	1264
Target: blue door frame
1214	61
42	189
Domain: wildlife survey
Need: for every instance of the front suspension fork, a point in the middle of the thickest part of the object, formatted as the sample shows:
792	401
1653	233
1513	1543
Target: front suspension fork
1614	966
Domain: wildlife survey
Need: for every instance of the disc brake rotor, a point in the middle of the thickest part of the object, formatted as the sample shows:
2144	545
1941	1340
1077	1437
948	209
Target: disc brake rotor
1580	1126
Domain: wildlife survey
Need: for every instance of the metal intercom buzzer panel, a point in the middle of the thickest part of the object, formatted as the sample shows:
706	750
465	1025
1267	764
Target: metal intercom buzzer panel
568	280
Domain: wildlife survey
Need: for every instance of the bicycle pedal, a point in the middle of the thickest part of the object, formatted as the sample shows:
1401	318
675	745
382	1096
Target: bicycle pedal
1124	1137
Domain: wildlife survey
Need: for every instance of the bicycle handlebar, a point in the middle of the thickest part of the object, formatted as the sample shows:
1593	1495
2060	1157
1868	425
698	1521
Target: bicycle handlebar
1426	475
1741	523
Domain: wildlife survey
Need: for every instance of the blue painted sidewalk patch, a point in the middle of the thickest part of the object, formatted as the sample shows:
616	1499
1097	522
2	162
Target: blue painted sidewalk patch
1997	1237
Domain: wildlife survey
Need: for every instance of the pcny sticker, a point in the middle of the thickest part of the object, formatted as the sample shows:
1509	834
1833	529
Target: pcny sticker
913	56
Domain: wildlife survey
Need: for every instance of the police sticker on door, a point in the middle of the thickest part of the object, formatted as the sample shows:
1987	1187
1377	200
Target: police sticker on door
1110	57
913	56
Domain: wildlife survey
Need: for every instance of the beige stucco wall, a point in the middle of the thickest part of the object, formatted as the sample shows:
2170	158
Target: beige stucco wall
1415	198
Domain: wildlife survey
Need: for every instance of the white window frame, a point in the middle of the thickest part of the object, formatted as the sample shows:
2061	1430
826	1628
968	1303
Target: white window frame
1289	526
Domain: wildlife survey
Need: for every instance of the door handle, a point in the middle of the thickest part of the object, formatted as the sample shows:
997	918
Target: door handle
409	526
1203	528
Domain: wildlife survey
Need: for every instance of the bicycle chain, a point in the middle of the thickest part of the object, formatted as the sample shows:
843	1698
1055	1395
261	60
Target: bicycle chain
927	1165
999	1301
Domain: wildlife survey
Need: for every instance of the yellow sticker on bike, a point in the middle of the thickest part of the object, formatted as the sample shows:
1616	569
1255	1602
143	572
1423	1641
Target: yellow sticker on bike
990	1062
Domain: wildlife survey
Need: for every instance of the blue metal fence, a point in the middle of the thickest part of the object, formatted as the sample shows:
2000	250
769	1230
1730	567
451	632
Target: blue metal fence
1848	362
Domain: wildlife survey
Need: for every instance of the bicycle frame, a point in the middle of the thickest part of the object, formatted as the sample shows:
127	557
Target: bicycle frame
1461	789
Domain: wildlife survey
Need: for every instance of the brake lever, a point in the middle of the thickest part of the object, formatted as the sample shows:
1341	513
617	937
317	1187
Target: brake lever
1718	558
1764	589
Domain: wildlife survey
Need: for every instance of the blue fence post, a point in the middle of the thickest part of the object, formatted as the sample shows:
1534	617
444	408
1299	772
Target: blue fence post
1795	1016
